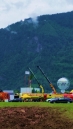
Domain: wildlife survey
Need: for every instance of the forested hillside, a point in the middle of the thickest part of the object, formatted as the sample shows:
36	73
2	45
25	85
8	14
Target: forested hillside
46	41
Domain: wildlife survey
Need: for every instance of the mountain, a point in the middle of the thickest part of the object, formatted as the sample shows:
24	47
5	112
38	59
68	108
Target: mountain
46	41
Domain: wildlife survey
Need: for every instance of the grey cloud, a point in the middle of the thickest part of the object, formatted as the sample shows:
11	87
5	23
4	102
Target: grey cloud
69	1
18	4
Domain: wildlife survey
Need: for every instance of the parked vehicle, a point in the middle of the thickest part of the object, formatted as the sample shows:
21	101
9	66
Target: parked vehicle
61	100
48	100
16	100
68	95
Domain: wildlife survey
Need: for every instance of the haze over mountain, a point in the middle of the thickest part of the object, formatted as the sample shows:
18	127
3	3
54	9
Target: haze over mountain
12	11
46	41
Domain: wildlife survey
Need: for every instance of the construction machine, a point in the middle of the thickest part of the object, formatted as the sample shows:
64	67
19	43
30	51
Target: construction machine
37	80
55	94
51	85
33	96
38	96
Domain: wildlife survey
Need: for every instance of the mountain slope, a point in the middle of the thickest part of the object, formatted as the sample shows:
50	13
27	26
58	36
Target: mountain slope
48	42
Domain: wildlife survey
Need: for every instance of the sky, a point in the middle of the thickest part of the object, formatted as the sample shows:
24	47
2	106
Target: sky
12	11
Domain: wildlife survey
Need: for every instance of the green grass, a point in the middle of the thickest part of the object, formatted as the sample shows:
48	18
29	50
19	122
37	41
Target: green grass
66	108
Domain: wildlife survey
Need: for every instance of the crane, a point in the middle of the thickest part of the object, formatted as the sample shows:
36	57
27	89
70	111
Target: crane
51	85
37	80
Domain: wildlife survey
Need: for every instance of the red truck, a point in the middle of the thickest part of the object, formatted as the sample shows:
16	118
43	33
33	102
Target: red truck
68	95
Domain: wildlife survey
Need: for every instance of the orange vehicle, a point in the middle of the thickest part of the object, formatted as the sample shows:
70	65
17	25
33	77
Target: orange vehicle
4	96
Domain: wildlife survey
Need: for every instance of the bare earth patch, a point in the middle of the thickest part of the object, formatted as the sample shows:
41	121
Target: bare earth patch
33	118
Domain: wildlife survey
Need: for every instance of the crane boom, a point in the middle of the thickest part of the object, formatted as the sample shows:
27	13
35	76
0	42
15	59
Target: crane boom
51	85
37	81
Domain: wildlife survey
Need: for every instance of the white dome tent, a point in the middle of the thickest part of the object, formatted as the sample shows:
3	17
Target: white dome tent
63	84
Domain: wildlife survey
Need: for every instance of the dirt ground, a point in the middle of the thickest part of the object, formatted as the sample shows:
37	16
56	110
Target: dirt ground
33	118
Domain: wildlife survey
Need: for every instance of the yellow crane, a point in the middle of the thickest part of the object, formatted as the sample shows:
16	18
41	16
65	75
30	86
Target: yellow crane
37	80
51	85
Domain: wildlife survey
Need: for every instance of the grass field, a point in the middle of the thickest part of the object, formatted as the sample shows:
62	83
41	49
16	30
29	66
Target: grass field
66	108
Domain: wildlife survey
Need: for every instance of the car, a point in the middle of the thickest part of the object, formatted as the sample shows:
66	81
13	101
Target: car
61	100
48	100
16	100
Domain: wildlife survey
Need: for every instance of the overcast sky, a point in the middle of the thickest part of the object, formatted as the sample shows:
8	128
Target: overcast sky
12	11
